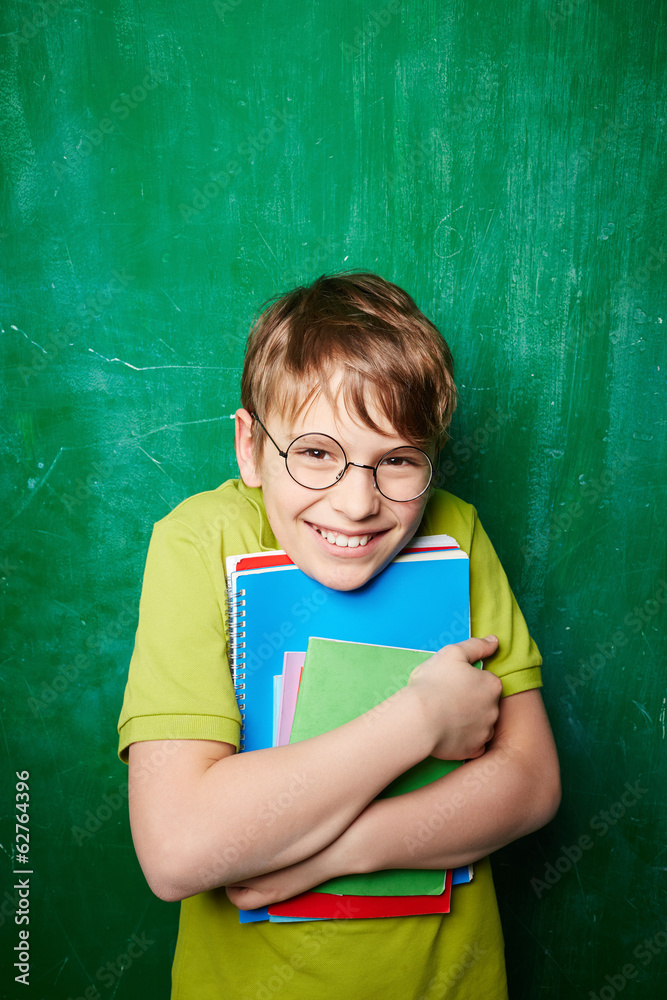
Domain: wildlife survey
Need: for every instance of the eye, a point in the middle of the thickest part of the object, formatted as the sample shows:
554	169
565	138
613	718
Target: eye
400	462
315	449
312	454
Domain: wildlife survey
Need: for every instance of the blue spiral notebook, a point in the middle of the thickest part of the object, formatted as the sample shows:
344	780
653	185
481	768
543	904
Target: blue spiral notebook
420	601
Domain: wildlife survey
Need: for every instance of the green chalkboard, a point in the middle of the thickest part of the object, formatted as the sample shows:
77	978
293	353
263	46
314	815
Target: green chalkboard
168	167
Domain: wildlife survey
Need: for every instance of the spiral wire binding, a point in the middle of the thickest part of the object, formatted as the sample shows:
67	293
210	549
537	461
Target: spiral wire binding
236	618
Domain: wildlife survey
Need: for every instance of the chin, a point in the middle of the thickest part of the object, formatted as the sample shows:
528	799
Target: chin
345	584
345	577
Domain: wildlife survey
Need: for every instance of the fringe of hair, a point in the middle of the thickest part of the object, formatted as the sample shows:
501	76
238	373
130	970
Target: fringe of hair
365	329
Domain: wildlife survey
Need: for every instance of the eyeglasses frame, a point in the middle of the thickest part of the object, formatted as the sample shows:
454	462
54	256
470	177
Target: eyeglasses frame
357	465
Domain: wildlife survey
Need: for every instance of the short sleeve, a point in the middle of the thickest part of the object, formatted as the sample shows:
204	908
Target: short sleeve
494	610
179	684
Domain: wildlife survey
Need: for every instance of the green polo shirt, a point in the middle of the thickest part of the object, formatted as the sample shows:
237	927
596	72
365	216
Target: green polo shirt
180	687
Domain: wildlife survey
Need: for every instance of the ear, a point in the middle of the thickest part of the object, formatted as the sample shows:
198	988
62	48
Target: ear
250	473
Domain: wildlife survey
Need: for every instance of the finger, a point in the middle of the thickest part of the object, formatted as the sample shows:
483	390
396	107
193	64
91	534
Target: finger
478	649
243	899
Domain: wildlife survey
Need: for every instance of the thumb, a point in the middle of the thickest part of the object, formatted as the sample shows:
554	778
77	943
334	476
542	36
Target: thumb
478	649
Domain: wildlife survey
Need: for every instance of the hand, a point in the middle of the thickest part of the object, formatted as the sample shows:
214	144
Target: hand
460	702
263	890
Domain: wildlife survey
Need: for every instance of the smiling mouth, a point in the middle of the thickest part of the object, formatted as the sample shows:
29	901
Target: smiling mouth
342	541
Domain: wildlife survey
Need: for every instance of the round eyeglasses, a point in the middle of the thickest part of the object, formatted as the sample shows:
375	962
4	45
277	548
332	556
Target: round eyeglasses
317	461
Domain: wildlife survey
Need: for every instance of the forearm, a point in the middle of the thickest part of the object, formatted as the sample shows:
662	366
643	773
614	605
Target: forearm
488	802
511	791
477	809
251	813
454	821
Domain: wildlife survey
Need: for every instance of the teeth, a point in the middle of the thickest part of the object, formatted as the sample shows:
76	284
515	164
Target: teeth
345	541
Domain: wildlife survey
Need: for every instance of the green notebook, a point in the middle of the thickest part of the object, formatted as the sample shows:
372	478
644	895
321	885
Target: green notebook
341	681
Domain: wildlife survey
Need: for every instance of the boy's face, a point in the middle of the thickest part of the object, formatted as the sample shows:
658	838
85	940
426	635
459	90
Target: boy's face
353	507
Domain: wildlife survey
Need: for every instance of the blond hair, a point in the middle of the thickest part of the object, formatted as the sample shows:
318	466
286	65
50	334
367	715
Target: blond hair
369	330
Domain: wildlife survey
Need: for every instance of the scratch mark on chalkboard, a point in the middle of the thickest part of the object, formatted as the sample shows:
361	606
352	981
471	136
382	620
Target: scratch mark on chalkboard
659	855
118	441
42	531
568	552
24	308
33	493
159	464
267	245
491	219
157	368
60	970
165	427
170	299
161	341
48	736
72	611
71	944
545	950
181	423
33	342
642	709
576	725
662	717
5	850
69	257
451	229
136	928
581	888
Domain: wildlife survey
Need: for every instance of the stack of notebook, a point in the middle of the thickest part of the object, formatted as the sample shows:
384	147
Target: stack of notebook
306	659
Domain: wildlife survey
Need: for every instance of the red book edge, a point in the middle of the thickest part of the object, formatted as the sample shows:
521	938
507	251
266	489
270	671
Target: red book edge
318	905
281	559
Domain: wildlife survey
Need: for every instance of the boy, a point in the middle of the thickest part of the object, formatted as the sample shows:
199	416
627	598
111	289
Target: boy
347	393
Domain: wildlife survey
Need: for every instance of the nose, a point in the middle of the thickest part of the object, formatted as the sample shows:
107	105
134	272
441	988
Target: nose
355	495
